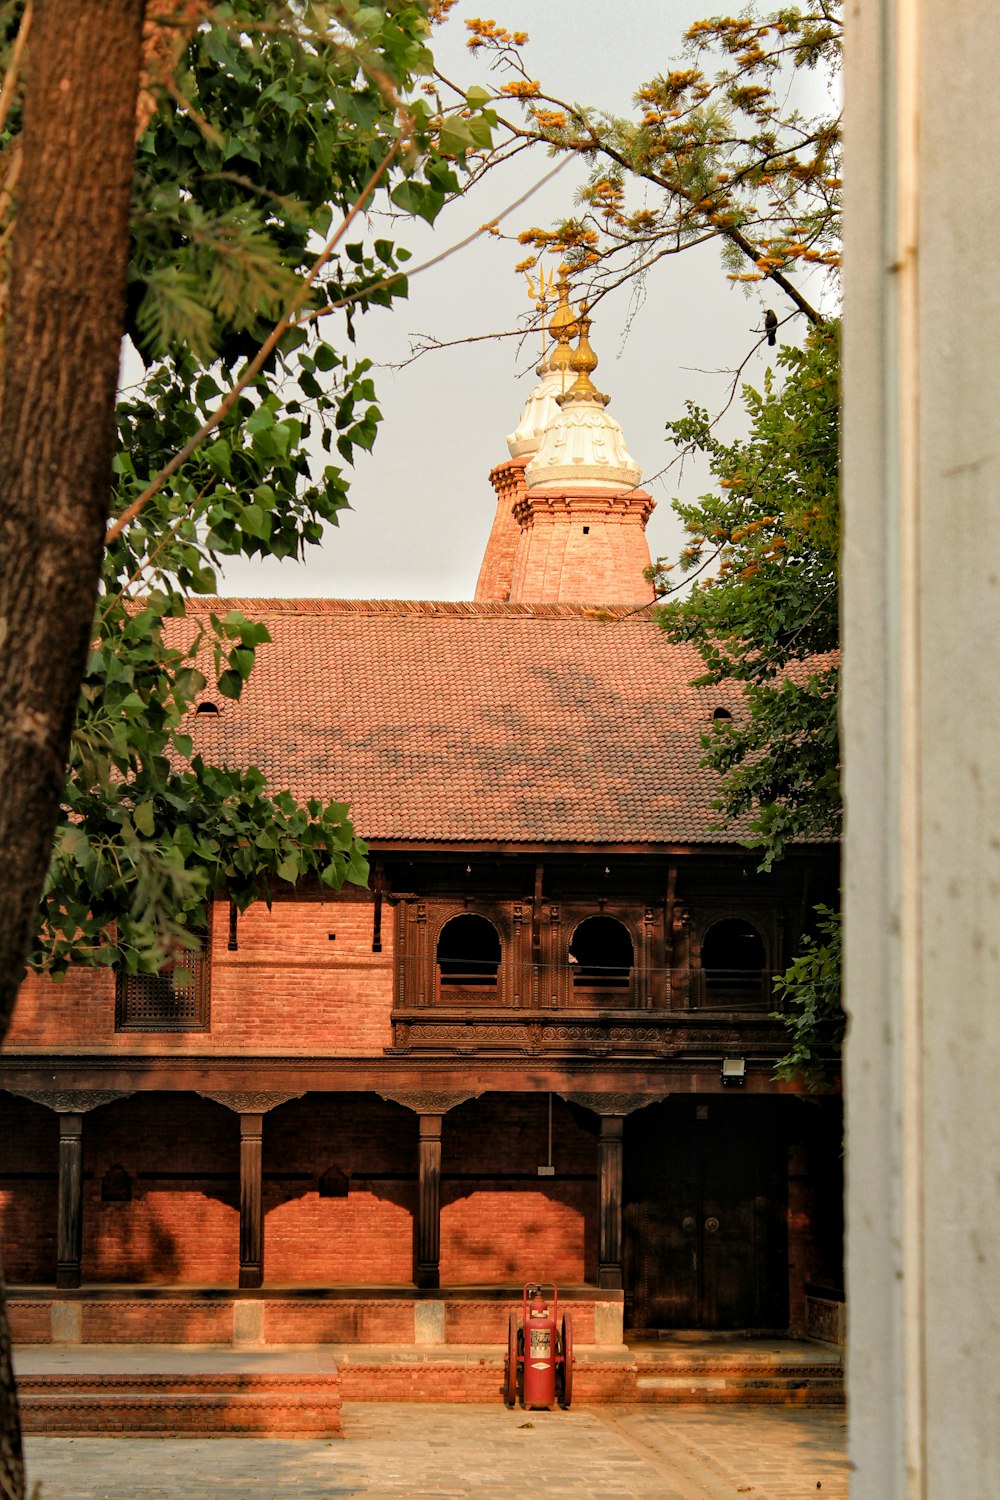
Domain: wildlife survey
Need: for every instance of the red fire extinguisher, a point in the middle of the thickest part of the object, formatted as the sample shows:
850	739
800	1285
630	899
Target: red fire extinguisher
539	1359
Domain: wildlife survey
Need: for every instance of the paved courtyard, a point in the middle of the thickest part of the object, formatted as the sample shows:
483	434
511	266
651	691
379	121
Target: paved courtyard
427	1452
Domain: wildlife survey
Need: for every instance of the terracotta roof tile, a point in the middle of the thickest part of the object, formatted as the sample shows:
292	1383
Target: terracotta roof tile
476	722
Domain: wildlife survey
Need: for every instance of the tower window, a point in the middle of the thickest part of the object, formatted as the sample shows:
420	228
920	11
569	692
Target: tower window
586	531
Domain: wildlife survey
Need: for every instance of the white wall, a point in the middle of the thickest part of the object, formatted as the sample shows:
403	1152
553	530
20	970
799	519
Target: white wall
922	747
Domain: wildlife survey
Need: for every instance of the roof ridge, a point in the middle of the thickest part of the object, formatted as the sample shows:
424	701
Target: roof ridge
213	603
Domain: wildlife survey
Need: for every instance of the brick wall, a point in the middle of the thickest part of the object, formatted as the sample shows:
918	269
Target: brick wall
29	1322
364	1238
29	1162
500	1221
498	561
156	1323
338	1322
580	548
487	1322
289	985
292	985
77	1011
182	1224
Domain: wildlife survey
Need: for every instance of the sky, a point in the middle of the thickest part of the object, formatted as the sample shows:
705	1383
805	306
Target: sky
422	504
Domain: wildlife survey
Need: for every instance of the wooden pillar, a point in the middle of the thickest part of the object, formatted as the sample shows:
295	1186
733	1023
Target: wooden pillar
609	1219
428	1226
251	1200
70	1239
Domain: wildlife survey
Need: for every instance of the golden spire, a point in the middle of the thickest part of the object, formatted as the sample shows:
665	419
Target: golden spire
562	328
583	361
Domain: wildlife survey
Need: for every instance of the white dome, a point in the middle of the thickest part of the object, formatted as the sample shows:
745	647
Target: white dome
584	448
540	411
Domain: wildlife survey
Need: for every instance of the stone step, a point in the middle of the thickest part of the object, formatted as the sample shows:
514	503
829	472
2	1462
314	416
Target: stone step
598	1381
823	1386
196	1405
201	1393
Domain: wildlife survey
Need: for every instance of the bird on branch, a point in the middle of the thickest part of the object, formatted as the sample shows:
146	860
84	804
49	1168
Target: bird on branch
770	324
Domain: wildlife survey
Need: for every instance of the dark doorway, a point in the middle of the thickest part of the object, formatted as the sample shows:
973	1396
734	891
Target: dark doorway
705	1223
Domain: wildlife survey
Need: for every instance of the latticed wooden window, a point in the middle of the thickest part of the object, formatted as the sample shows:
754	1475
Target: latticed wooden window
156	1002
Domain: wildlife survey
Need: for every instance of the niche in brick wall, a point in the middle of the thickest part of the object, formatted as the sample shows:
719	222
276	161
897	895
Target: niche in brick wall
334	1183
116	1185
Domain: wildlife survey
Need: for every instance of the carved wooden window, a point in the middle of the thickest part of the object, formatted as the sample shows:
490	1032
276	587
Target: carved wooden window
468	956
601	955
596	960
176	999
451	955
733	964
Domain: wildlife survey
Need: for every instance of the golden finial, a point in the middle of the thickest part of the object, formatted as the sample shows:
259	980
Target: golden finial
584	361
541	293
562	328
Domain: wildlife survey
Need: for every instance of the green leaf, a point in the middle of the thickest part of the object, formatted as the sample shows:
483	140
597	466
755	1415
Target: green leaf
142	817
255	521
219	455
326	357
262	418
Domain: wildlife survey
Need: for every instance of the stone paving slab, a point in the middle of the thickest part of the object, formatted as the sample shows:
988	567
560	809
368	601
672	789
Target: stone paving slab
172	1359
175	1359
438	1452
181	1359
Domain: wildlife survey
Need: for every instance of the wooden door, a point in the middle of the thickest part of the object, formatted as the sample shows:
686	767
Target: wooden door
705	1229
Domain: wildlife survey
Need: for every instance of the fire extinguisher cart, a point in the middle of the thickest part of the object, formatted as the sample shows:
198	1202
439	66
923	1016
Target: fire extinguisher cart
538	1365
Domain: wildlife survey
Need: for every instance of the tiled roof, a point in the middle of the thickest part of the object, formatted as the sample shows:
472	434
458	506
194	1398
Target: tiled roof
487	722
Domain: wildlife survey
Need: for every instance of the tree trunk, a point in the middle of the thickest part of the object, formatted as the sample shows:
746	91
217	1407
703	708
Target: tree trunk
65	318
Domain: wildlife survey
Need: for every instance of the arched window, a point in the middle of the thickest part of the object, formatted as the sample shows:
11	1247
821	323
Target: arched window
601	955
732	961
468	953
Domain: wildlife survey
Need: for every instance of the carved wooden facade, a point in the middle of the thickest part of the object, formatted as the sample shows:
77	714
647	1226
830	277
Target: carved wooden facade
543	999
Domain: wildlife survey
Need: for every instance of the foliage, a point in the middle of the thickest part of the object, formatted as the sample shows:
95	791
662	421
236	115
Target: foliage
764	611
720	139
810	991
764	614
264	131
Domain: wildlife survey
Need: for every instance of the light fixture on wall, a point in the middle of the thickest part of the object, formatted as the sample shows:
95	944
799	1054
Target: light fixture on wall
734	1070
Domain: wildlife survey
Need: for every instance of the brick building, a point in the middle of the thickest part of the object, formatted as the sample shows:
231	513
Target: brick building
539	1045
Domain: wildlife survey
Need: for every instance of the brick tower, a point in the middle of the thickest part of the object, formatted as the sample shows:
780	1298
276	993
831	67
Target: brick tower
570	520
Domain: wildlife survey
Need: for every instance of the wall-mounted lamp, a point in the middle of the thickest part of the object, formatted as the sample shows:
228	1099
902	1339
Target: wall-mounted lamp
734	1070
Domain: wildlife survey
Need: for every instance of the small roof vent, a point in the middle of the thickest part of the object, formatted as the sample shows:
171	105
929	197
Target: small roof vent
720	715
207	707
